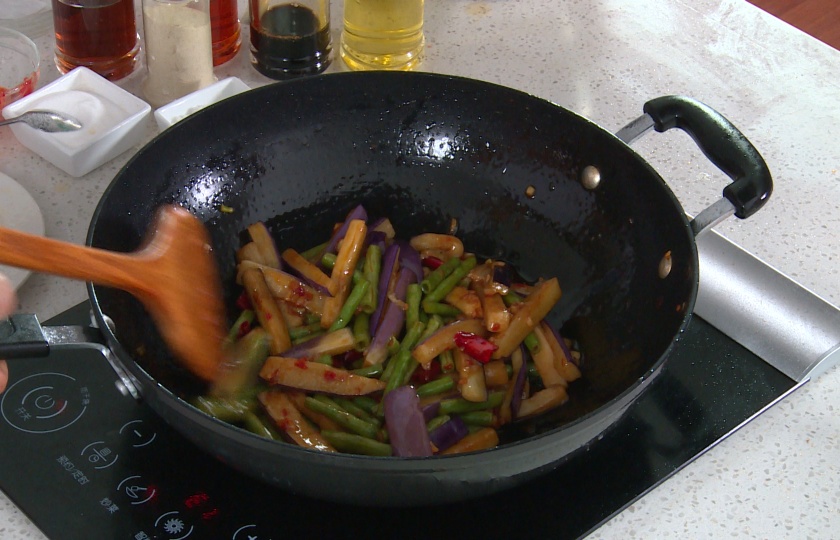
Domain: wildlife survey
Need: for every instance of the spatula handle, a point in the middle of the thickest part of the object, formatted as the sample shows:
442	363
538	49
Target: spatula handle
84	263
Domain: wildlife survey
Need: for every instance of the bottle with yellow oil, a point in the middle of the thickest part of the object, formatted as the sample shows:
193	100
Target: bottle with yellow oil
382	34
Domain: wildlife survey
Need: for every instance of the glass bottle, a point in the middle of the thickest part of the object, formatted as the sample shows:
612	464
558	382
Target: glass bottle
179	51
225	29
382	34
98	34
290	39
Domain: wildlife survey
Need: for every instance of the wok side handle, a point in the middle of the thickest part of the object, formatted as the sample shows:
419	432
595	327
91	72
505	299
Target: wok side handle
723	144
22	336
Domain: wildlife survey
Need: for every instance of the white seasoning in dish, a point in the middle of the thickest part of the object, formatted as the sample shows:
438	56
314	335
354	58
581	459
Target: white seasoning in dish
96	113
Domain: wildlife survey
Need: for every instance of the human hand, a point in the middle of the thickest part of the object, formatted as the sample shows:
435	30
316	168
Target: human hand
8	303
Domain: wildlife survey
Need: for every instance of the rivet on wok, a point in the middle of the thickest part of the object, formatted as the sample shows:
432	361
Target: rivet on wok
590	177
665	265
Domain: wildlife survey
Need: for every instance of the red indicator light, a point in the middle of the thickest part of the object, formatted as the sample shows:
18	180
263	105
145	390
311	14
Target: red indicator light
196	499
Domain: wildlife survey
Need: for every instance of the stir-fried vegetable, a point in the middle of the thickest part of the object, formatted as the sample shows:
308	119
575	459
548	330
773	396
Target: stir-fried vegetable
375	345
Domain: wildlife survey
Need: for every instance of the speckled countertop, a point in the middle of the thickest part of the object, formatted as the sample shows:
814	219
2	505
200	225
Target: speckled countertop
778	476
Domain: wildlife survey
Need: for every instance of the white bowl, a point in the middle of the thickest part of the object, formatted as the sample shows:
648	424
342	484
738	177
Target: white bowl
111	121
181	108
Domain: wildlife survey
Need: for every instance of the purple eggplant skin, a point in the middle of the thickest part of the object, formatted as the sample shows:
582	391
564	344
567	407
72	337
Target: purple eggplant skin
391	322
563	346
405	423
358	212
448	433
431	410
410	259
388	271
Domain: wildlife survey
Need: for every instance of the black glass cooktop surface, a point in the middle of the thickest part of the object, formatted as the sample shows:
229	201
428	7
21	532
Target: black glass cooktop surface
83	461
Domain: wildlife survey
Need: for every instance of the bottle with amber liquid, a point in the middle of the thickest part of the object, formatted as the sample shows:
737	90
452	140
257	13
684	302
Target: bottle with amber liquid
382	34
98	34
225	29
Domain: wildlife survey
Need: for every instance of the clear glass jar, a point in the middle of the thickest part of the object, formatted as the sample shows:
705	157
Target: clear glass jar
179	48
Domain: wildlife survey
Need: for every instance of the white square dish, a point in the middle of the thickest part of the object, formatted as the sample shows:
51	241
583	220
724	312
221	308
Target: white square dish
111	121
179	109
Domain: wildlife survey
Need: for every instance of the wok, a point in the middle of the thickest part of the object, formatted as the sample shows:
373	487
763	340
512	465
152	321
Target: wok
424	149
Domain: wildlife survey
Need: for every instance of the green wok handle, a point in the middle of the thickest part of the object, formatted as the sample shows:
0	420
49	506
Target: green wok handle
723	144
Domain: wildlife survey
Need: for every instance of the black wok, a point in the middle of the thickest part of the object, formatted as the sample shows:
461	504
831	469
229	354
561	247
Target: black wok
424	149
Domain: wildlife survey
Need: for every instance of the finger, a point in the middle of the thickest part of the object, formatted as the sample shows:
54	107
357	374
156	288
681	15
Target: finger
8	299
4	375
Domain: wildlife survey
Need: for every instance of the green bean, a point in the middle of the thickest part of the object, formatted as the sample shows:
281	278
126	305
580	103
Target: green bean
350	305
313	254
436	308
309	336
412	299
361	330
439	274
511	298
334	412
532	343
368	404
403	360
449	283
305	331
478	418
225	409
460	405
328	260
255	424
434	324
246	317
373	371
393	346
357	411
437	386
437	421
356	444
323	359
407	372
371	270
447	361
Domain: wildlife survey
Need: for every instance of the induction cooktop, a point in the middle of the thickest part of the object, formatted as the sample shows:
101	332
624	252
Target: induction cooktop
84	461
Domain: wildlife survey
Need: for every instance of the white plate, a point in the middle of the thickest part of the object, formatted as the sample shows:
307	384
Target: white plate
19	211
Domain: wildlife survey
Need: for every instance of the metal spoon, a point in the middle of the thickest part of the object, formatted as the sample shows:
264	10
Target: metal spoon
49	121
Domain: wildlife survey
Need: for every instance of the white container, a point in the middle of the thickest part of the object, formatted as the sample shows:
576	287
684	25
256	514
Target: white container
111	121
194	102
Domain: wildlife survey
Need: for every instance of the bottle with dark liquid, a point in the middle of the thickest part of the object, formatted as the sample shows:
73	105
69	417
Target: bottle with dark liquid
98	34
290	39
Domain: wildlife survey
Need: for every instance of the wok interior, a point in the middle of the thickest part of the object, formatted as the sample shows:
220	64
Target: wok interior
424	150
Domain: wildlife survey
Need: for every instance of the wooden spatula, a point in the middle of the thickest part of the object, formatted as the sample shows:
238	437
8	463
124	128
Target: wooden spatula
173	274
